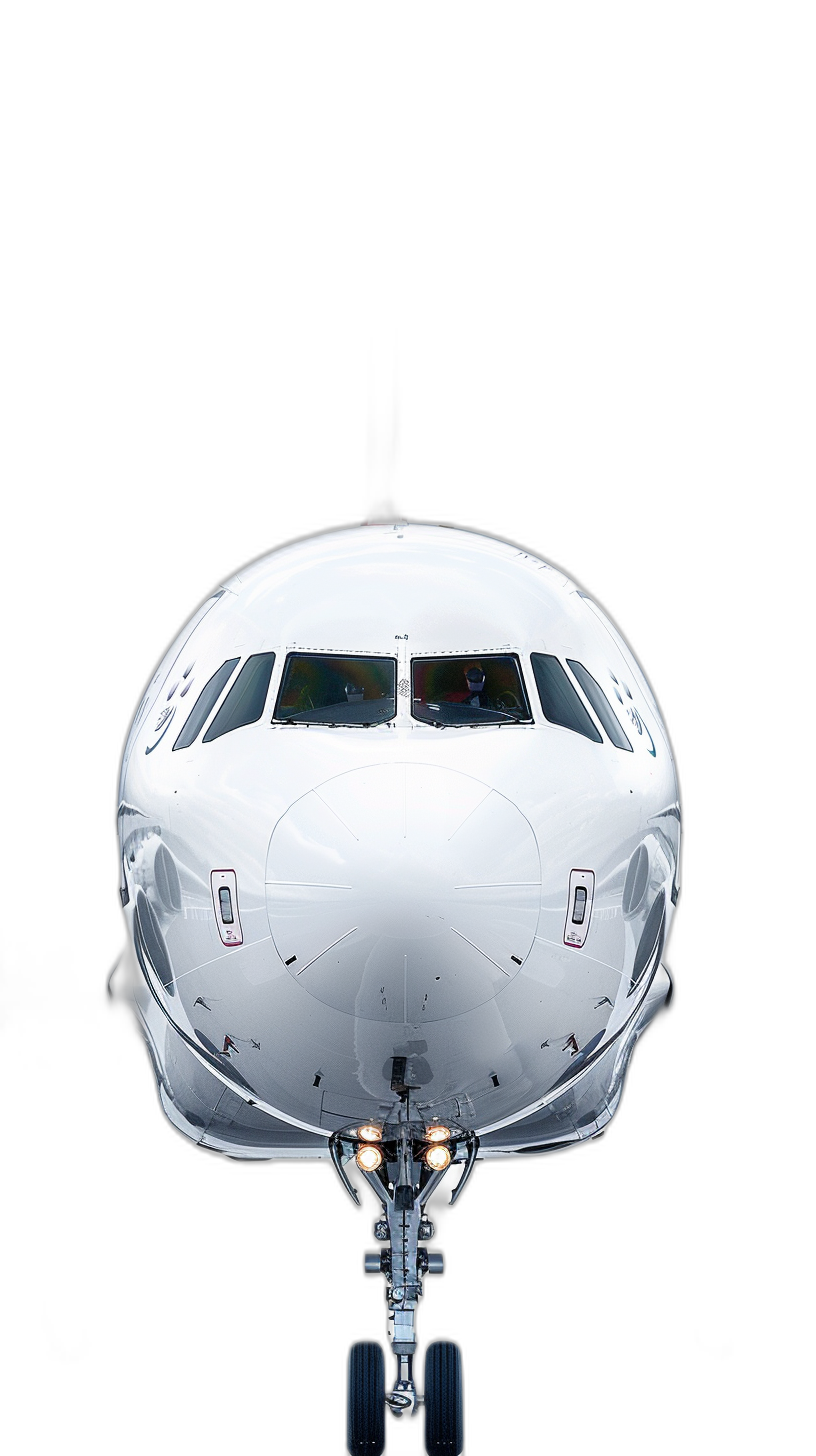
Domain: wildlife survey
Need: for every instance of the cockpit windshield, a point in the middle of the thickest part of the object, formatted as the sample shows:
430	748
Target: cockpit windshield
319	688
469	691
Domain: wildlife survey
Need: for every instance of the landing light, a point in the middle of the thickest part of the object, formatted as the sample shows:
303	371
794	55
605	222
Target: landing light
370	1133
438	1158
369	1158
437	1133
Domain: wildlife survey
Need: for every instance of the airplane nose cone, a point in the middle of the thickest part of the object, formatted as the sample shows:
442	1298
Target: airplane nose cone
403	892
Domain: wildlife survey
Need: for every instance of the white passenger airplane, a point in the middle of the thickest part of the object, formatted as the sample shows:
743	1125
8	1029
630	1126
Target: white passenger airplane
400	831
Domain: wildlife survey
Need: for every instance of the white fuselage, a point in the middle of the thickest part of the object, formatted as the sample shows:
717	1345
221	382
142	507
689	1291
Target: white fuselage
401	889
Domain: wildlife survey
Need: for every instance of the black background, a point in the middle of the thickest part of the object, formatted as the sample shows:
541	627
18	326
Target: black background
194	449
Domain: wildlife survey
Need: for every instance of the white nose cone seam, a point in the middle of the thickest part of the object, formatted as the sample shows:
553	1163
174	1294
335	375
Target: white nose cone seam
403	892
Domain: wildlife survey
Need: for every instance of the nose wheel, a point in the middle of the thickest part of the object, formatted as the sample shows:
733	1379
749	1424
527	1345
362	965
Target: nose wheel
444	1429
366	1401
403	1163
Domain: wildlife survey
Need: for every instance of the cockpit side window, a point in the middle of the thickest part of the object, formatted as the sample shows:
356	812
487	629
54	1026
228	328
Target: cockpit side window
559	701
245	700
328	688
600	703
204	703
456	692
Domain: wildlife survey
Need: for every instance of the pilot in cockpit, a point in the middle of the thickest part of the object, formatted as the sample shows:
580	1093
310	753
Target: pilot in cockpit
354	694
476	695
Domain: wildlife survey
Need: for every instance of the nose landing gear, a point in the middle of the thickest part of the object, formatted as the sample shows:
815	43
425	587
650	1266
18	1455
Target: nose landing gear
403	1163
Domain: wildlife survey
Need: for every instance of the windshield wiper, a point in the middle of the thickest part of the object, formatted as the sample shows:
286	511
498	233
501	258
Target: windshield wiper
336	722
461	715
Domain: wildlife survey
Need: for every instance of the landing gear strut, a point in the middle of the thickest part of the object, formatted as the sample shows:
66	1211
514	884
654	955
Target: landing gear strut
403	1163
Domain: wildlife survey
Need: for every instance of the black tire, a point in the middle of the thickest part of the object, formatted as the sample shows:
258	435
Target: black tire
444	1425
366	1401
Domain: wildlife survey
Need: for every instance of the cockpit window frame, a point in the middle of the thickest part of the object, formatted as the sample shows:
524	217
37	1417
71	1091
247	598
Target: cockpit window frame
344	656
245	702
204	704
600	704
567	707
510	722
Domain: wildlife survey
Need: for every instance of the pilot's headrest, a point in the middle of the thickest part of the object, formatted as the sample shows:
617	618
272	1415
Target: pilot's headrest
475	676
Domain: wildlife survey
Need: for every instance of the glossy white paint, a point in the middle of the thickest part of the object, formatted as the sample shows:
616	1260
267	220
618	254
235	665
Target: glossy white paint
403	888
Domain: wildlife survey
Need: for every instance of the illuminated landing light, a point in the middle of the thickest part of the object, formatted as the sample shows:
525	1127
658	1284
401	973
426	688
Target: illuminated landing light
438	1158
370	1133
369	1159
437	1133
